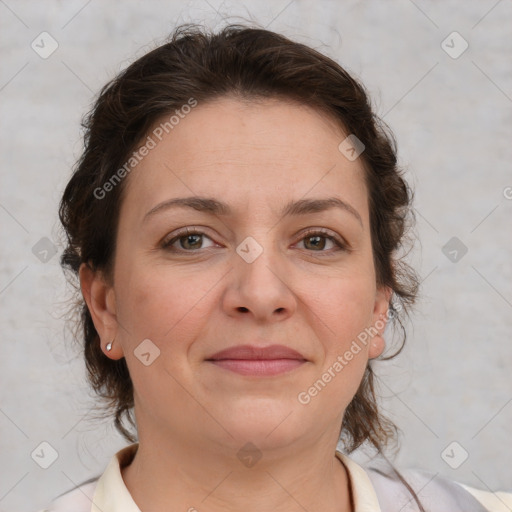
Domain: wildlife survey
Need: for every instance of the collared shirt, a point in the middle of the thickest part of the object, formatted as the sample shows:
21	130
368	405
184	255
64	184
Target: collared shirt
109	493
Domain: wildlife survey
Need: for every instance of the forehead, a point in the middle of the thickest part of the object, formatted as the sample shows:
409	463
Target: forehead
245	152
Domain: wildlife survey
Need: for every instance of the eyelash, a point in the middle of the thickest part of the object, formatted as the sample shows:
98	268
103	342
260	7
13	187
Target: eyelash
340	245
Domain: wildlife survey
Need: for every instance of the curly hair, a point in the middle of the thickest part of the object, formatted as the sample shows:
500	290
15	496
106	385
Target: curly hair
248	63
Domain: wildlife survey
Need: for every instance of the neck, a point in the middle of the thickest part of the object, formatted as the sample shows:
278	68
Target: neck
168	475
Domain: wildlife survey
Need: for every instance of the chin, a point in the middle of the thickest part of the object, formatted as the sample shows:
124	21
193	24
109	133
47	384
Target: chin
265	423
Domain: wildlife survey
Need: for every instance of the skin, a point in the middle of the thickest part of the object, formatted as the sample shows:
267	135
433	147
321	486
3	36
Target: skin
192	416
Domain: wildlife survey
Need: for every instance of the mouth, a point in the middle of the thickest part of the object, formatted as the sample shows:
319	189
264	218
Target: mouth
258	361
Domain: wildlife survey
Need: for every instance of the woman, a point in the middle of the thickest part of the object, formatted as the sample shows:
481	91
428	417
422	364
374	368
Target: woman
233	222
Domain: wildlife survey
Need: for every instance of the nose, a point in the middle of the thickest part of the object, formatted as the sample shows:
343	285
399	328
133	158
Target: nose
260	288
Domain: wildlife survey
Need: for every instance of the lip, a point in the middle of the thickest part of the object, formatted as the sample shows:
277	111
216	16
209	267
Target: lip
258	361
254	352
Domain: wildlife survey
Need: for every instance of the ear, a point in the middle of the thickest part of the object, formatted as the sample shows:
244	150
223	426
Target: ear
380	316
100	299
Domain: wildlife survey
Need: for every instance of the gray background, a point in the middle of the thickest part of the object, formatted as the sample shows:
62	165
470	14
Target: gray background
453	121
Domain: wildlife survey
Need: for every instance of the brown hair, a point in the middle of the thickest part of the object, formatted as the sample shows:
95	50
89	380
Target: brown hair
248	63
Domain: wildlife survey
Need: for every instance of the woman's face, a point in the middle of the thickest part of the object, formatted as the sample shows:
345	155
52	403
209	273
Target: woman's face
262	267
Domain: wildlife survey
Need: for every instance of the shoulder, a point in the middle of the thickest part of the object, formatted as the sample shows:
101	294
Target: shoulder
435	492
100	493
378	486
78	499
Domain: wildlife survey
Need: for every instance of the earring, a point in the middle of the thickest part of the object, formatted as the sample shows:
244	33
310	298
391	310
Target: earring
109	346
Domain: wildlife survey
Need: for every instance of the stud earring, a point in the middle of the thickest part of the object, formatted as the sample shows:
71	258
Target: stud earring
109	346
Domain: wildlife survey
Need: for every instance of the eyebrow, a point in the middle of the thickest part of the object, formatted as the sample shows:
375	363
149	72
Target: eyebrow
216	207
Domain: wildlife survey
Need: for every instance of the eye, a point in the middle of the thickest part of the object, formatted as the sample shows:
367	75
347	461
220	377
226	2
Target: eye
318	240
189	240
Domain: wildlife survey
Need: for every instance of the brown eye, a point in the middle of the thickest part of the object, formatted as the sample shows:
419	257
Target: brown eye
189	240
322	242
315	242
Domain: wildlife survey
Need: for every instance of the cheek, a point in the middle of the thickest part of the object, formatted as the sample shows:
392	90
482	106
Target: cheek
346	304
168	307
345	310
162	303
